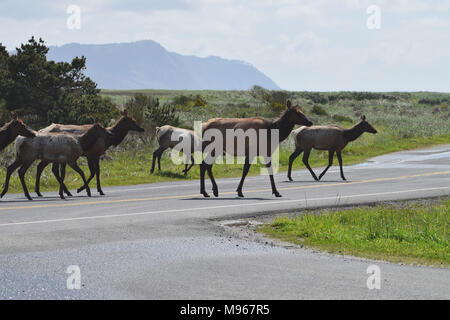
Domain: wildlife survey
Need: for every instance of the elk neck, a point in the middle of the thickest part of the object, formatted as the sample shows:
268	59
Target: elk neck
284	125
6	136
353	133
119	131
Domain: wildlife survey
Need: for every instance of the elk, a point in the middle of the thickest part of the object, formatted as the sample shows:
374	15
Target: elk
332	138
63	148
171	137
284	124
118	132
12	129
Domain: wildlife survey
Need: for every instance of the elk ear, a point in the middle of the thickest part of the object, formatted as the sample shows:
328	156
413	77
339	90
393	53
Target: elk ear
124	113
363	118
14	115
288	104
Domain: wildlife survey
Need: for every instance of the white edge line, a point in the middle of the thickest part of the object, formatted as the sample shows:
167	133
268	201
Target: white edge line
210	208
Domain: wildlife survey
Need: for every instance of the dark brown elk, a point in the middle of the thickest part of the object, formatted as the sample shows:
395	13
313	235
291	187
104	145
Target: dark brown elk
12	129
118	132
63	148
284	125
170	137
332	138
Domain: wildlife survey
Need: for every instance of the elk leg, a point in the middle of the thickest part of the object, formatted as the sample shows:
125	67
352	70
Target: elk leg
60	177
339	156
247	165
186	170
272	180
23	169
63	176
330	163
41	166
156	156
92	171
213	181
75	167
55	170
305	161
9	171
293	156
97	165
186	163
202	180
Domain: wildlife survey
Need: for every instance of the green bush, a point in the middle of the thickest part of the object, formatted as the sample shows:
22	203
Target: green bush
318	110
189	101
150	109
340	118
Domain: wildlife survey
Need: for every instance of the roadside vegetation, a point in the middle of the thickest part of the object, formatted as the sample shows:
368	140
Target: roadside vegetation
416	233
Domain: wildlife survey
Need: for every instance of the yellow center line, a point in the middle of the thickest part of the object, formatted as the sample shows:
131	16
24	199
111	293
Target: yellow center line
84	203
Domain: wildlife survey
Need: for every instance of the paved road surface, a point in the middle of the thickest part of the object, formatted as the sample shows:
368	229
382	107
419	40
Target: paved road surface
164	241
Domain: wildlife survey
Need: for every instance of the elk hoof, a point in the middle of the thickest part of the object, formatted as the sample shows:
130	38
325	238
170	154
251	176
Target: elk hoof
69	194
215	192
101	192
240	194
290	179
277	194
205	194
39	194
79	190
29	198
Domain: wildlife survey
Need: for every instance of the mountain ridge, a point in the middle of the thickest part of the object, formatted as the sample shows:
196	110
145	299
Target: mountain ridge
146	64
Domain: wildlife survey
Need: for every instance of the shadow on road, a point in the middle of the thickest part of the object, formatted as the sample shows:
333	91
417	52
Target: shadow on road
226	198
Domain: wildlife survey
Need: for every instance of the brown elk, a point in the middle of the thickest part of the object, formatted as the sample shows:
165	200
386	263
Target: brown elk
118	132
284	124
332	138
12	129
170	137
63	148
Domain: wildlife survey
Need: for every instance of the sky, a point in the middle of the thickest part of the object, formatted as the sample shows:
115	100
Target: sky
318	45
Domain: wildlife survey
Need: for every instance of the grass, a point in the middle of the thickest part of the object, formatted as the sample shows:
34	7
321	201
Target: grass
404	121
415	233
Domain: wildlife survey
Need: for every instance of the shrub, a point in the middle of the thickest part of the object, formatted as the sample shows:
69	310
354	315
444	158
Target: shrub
430	102
340	118
192	101
48	91
318	110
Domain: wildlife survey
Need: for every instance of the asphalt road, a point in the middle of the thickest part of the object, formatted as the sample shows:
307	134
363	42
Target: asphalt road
165	241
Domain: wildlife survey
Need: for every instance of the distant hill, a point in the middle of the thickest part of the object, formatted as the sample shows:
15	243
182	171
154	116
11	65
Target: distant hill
147	65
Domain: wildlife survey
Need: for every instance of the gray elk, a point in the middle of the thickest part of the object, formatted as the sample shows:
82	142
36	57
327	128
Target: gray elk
332	138
284	124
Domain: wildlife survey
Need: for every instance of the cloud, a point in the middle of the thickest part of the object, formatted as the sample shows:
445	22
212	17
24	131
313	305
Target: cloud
307	44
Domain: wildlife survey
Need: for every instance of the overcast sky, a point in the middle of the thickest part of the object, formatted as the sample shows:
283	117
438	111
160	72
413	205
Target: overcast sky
321	45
